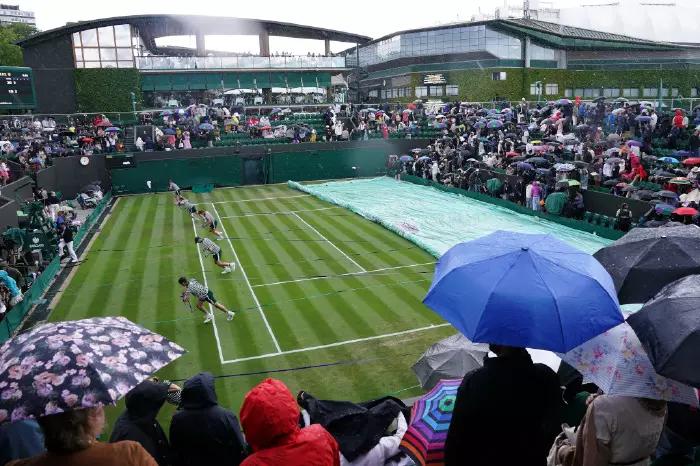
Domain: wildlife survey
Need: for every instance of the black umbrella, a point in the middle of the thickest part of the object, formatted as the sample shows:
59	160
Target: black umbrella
539	161
644	195
669	328
580	164
611	182
647	259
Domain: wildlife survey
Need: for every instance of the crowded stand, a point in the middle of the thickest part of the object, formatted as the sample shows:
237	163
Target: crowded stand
604	405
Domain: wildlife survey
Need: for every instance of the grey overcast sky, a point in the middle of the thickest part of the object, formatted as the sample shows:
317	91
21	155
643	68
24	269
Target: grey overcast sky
368	17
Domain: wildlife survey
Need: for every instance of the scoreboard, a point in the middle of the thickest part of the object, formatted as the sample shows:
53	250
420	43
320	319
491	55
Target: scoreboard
16	88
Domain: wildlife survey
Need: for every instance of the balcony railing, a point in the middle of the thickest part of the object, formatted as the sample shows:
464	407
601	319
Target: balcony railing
235	62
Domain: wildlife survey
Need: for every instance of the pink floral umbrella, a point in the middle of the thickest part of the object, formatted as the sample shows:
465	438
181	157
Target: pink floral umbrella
616	362
61	366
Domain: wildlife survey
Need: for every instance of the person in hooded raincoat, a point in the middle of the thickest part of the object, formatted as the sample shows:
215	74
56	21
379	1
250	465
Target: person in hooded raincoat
139	423
202	432
270	419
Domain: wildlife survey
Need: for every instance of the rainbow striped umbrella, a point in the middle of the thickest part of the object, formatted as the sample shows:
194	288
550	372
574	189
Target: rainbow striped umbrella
424	441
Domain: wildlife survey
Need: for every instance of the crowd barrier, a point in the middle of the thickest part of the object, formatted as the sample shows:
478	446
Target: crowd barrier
14	317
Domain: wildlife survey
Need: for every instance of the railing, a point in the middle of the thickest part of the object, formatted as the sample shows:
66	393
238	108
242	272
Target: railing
236	62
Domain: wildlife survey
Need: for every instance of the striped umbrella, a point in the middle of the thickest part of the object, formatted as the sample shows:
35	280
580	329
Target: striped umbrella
424	441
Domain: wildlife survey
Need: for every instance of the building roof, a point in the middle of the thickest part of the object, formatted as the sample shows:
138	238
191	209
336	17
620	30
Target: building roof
154	26
574	32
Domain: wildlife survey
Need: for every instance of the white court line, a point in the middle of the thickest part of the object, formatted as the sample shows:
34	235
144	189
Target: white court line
362	269
245	276
211	310
258	199
282	213
331	345
342	275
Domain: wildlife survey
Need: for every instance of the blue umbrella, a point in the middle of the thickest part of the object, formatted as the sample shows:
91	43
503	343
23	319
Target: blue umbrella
480	124
169	131
405	158
524	290
206	127
634	143
112	129
425	157
495	124
643	119
668	160
525	166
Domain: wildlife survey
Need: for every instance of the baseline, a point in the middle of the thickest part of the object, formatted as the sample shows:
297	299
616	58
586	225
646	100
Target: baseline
257	199
331	345
288	212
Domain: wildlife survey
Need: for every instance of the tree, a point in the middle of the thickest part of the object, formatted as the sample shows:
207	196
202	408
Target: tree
11	54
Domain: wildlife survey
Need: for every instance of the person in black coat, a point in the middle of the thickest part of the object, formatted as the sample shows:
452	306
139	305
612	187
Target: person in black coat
202	432
506	413
138	422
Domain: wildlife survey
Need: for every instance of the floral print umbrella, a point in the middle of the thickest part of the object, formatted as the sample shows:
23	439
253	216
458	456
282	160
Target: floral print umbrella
616	362
61	366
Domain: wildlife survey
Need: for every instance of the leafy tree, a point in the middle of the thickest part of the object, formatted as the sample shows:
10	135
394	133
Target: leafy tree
11	54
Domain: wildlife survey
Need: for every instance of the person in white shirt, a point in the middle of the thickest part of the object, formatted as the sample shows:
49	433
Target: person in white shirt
388	447
528	195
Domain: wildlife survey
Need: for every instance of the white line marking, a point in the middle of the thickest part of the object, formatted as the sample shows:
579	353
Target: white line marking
211	310
342	275
258	199
362	269
245	276
331	345
282	213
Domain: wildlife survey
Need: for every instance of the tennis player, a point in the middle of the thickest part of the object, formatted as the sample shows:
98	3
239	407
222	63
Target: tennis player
209	248
203	295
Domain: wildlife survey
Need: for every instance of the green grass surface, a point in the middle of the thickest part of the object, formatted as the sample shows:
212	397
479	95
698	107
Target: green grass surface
304	299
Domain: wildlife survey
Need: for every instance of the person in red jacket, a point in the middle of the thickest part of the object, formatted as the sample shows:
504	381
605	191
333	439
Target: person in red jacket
270	420
678	119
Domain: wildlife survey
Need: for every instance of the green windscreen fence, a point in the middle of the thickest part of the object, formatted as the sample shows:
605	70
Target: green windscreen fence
229	170
199	81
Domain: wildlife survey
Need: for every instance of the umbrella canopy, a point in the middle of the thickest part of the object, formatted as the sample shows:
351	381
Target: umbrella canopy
685	211
61	366
405	158
664	209
573	183
525	166
539	161
549	296
643	261
494	124
206	127
564	102
112	129
633	143
480	124
564	167
669	328
643	119
424	441
450	358
666	194
681	181
617	363
169	131
691	162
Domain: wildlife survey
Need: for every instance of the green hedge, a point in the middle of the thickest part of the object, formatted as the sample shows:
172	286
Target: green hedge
107	89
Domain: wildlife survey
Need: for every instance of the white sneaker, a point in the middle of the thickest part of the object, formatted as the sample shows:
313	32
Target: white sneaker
226	270
229	315
232	266
219	238
208	318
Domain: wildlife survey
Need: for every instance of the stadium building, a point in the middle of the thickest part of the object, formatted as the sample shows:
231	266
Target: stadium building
117	64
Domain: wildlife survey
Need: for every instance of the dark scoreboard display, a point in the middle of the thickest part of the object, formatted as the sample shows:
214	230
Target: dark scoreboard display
16	88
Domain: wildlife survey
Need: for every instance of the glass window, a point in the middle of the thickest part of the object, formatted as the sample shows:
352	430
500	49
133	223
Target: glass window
421	91
499	76
79	64
78	54
122	33
568	93
650	92
91	54
382	94
674	92
92	64
374	93
630	92
126	64
124	54
693	92
588	93
109	64
452	89
108	54
76	39
611	92
578	92
89	37
551	89
106	36
534	89
436	91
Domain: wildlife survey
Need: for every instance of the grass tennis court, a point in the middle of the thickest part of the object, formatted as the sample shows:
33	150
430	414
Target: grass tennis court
316	285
